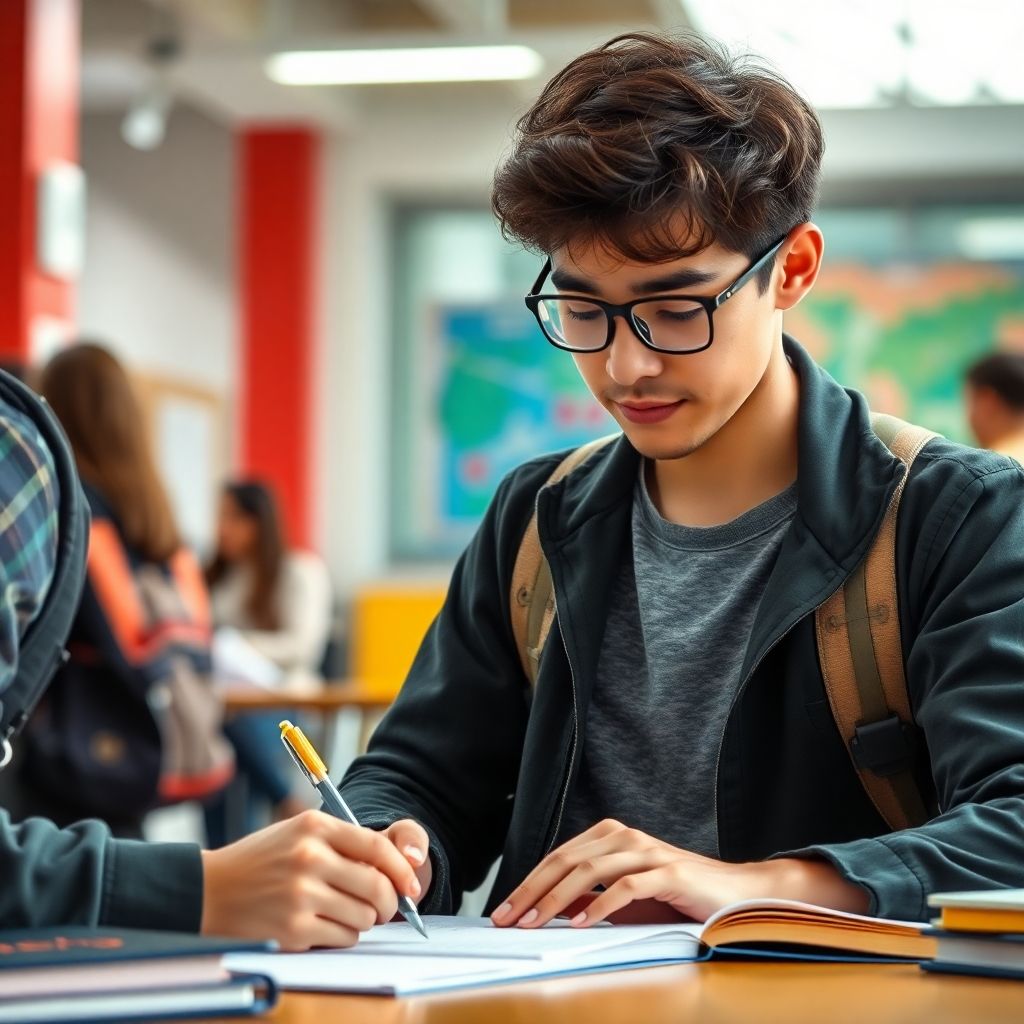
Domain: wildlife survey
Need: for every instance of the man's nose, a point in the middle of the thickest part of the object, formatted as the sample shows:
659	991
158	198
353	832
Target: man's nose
629	360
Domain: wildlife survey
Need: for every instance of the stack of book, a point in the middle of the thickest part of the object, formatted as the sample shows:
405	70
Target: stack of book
979	933
103	974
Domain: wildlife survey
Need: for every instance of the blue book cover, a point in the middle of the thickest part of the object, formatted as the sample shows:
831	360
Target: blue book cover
977	970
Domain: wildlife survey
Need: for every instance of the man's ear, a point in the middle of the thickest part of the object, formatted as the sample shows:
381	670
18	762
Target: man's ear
799	263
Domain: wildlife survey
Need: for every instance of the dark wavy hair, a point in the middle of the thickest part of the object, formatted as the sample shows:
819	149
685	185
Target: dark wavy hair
256	501
649	141
1003	373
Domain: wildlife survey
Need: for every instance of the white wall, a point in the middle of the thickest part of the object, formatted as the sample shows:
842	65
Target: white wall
159	272
158	288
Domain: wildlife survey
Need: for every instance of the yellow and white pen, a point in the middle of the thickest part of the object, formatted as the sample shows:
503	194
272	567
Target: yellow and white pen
312	766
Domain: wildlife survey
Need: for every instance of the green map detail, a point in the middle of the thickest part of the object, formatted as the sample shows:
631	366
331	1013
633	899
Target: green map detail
913	366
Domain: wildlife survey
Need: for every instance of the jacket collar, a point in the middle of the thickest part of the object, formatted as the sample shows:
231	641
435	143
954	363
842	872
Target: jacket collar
845	474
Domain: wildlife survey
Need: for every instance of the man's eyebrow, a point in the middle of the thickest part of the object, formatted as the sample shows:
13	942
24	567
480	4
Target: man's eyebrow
568	282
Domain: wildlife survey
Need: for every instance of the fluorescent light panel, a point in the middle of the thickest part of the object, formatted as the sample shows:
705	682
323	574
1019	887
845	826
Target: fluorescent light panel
424	64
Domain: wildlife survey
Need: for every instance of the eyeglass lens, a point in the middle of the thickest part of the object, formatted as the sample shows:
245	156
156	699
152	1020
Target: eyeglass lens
676	325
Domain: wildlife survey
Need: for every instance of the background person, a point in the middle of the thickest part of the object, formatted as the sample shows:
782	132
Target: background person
995	403
280	603
99	744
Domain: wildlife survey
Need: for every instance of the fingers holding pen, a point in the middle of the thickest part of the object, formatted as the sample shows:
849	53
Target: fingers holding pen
364	847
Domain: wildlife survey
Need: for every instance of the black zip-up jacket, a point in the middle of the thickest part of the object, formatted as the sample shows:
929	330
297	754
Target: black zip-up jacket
486	766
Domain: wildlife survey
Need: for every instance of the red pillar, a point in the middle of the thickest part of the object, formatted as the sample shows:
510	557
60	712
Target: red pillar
277	261
39	72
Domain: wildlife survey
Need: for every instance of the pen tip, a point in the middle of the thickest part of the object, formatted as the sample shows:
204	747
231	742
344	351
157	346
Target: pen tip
410	913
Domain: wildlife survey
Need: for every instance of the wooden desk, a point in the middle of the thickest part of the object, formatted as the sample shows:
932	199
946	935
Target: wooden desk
348	709
320	697
715	993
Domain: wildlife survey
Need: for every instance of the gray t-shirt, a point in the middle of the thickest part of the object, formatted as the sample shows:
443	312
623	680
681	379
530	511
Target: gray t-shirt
680	618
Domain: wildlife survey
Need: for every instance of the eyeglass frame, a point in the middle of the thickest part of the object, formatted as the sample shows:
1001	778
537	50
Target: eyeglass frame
625	309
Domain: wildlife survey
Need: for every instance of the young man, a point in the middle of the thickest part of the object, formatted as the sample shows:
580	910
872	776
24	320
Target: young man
995	402
678	748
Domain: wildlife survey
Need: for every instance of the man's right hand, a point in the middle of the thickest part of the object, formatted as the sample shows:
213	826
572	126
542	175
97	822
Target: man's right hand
311	880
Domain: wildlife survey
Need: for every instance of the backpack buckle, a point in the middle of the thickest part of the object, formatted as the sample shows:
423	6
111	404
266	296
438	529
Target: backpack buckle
886	747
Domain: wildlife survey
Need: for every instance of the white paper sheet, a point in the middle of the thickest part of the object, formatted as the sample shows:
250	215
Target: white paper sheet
393	959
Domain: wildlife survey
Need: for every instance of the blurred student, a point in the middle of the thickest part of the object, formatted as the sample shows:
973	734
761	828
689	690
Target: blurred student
279	600
312	880
995	403
130	722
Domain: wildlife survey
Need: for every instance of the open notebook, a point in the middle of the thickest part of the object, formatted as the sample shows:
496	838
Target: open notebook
393	959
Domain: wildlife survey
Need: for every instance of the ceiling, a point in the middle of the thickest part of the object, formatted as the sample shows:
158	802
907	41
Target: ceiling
224	44
883	56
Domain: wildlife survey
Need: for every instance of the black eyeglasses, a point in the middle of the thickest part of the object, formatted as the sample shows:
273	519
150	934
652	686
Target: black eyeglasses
674	324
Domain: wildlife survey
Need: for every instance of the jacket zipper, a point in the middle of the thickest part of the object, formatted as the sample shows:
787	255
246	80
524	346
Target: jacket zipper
572	751
739	693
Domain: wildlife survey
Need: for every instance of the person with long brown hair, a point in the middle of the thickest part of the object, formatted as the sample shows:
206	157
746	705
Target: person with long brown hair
92	396
135	690
279	601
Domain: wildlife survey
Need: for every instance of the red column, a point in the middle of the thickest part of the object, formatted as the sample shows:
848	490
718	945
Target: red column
39	72
277	261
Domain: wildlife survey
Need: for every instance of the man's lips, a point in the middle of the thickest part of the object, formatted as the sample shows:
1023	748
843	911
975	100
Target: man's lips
649	412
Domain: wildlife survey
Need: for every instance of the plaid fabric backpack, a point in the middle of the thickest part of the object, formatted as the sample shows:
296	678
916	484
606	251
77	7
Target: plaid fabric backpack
42	651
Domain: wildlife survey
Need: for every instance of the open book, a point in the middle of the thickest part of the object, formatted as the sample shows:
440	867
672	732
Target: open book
392	959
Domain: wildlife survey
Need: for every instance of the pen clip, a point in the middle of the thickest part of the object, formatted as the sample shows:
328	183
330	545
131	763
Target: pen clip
298	760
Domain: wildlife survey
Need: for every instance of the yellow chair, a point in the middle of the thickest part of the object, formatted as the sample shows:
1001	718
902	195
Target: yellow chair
388	624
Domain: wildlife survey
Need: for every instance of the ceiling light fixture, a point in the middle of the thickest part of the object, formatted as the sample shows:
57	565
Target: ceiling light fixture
145	122
423	64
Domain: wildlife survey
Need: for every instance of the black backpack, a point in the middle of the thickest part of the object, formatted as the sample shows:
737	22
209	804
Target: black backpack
42	648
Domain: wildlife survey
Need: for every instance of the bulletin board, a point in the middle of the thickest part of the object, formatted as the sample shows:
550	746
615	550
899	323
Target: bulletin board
188	428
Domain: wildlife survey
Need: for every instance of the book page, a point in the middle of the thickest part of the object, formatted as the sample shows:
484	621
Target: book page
791	922
794	909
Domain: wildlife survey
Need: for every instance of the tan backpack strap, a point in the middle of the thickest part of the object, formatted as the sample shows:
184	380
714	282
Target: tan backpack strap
861	655
533	594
